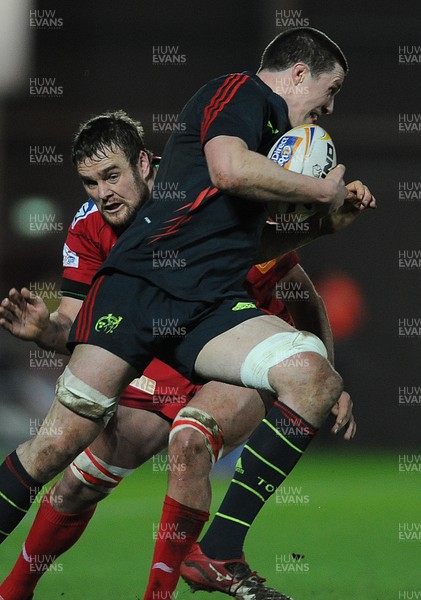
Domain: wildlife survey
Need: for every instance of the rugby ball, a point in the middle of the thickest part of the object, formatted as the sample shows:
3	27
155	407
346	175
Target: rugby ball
308	150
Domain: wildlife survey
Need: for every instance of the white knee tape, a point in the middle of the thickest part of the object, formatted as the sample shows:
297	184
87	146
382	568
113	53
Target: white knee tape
97	474
273	350
202	422
82	399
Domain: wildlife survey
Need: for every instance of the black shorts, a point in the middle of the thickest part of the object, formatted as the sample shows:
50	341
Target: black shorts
137	321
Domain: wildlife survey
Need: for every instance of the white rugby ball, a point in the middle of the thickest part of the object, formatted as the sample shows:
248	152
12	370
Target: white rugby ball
308	150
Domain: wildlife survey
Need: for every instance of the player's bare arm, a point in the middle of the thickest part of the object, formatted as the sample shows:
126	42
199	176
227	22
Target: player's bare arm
237	170
26	316
311	315
307	308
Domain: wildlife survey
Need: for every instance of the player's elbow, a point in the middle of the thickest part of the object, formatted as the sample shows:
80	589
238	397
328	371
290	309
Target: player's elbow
225	160
225	179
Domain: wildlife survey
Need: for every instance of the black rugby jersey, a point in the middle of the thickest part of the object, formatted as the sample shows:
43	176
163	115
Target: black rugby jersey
191	239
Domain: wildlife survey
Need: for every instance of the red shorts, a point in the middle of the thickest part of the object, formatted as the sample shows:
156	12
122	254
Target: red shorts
161	389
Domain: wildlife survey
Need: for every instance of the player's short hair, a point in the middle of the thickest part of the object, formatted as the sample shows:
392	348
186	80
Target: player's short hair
110	130
303	44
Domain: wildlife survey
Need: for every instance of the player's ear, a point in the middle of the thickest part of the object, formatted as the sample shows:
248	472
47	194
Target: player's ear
144	164
299	72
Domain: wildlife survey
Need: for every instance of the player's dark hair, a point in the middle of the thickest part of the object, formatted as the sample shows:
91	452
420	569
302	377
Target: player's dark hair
111	130
303	44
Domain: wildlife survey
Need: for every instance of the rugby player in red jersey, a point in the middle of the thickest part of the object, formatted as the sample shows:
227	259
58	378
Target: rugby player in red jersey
119	179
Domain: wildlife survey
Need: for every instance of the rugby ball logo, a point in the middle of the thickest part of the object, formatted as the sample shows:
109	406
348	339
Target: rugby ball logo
308	150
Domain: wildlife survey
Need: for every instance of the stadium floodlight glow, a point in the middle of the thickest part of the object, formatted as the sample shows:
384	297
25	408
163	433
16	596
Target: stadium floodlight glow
35	216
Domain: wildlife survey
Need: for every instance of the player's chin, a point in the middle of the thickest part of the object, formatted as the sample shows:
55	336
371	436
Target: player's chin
117	219
121	219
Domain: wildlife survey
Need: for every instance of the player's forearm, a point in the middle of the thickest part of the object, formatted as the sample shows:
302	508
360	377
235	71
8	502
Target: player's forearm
240	172
55	335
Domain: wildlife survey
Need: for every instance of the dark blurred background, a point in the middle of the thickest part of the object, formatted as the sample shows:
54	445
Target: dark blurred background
63	62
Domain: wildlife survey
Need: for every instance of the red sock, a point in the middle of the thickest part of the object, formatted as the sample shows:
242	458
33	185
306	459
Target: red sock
179	528
51	534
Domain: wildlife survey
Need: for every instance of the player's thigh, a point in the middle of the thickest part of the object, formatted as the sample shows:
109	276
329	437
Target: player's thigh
131	437
238	411
101	369
221	358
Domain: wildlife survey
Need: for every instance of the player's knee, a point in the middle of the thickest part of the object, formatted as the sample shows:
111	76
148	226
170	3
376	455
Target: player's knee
281	358
83	399
323	380
195	433
188	454
308	375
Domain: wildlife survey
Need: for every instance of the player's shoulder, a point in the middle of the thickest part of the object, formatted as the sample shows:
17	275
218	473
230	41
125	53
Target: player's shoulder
225	84
239	79
87	214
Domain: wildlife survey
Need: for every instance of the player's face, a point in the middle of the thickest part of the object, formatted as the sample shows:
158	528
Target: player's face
314	96
115	186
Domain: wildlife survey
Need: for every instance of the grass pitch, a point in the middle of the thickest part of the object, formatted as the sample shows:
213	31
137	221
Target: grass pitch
344	526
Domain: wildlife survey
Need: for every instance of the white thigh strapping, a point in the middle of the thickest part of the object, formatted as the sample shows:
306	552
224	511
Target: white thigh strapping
83	399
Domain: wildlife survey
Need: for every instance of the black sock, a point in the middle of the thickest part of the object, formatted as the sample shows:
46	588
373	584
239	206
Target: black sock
268	457
17	492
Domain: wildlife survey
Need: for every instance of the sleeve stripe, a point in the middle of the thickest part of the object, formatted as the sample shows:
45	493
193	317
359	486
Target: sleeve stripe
223	96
